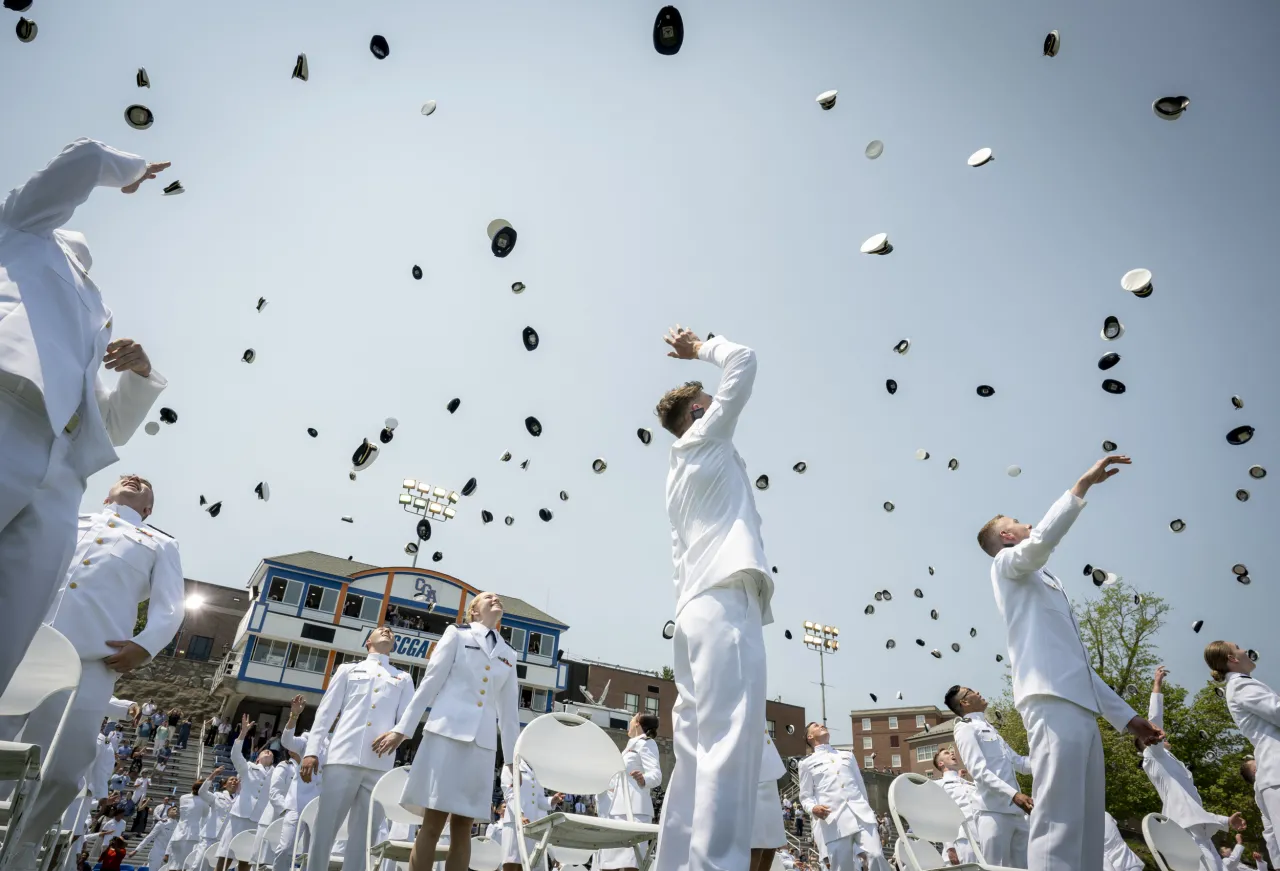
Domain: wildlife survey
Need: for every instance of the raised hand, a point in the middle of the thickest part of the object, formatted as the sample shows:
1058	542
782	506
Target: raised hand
684	343
153	169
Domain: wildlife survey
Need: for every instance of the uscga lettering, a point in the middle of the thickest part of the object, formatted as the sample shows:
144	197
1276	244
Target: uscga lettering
409	645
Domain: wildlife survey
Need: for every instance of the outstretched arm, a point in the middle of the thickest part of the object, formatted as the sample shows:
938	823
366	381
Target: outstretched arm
738	377
50	197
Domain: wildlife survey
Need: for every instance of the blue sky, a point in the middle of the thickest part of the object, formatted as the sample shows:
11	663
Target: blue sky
706	189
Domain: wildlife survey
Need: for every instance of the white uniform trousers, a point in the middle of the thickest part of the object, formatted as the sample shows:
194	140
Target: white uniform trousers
76	749
843	852
1002	837
178	853
1069	785
346	788
1210	858
39	508
195	859
1268	801
284	849
720	679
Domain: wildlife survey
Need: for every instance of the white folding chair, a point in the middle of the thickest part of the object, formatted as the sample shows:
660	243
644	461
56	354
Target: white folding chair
569	855
211	855
932	815
306	822
486	855
1172	846
572	755
269	840
50	665
242	846
386	797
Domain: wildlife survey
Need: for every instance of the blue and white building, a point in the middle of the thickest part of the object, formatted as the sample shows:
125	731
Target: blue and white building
310	612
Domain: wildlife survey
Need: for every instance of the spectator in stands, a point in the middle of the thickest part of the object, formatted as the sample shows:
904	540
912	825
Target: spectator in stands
162	735
119	781
136	763
211	730
111	827
82	862
175	717
162	758
113	855
184	733
141	817
140	787
134	714
224	732
124	751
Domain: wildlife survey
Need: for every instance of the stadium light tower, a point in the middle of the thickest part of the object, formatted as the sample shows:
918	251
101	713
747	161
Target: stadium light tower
429	503
825	640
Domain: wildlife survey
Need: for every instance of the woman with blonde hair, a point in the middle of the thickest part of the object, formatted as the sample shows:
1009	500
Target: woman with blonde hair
471	688
1255	708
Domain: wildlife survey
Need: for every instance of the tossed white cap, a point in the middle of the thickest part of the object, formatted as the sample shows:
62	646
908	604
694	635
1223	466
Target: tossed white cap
875	148
428	107
1137	282
1013	471
877	244
981	157
1170	108
827	99
1052	43
1112	329
152	427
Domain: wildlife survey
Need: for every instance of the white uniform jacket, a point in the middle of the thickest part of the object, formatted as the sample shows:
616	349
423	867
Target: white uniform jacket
1179	798
640	754
104	764
255	781
300	793
1045	651
191	813
371	695
119	562
54	326
219	805
472	694
1255	707
772	768
962	792
534	801
283	792
711	503
1116	855
992	764
158	839
831	777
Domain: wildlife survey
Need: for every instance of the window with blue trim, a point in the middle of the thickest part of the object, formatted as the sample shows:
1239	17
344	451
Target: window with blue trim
324	599
284	591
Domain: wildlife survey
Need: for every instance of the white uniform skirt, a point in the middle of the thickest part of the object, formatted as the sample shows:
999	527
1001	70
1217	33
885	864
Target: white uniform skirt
235	825
767	832
451	776
611	860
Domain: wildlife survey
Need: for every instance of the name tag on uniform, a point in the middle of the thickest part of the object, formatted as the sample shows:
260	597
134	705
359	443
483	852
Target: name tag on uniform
472	647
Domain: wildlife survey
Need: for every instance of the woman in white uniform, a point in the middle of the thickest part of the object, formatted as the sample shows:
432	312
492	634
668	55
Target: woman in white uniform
642	774
534	804
470	686
191	811
767	830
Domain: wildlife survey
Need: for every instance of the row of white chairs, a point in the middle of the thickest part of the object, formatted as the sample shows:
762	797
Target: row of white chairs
924	814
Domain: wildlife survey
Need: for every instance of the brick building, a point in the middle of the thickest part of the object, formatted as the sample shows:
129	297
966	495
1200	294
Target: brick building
634	691
923	745
882	737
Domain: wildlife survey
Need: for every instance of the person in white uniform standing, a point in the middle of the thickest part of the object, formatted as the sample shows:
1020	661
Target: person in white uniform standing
119	563
1179	798
1116	855
59	422
471	687
218	801
723	592
833	792
1055	689
297	794
1249	773
251	800
158	840
370	696
768	832
631	790
1255	709
534	805
191	812
1000	807
964	794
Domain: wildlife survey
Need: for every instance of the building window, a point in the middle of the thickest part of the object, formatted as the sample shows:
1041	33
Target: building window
533	700
284	591
771	727
514	637
269	652
869	762
540	644
866	724
344	658
321	599
895	761
307	658
866	742
631	702
919	721
651	706
925	753
893	740
362	608
199	647
893	722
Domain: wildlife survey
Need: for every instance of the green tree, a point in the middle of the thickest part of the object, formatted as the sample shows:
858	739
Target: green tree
140	622
667	673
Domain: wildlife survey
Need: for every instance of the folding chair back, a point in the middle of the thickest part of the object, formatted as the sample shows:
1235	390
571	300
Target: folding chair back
1170	844
486	855
306	822
917	854
386	794
931	813
211	855
270	838
568	754
241	846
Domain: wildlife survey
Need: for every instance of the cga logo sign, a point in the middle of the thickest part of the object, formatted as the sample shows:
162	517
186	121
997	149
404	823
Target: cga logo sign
424	592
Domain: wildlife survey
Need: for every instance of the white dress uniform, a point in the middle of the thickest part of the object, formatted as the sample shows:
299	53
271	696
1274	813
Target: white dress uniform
1180	800
768	832
470	685
1255	708
158	840
370	695
1116	855
723	592
831	777
964	794
250	802
214	820
1059	696
119	562
640	755
1001	826
534	804
191	813
104	764
1268	830
1233	861
298	796
58	422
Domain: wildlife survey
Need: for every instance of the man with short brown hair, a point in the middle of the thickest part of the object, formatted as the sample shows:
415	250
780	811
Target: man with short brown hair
723	589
